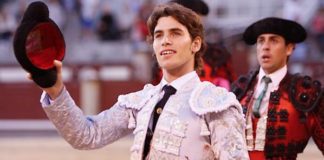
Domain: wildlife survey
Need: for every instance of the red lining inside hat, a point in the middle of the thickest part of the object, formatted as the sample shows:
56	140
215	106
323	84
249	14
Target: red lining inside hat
44	44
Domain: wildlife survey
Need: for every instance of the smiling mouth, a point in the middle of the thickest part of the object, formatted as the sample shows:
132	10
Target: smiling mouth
167	52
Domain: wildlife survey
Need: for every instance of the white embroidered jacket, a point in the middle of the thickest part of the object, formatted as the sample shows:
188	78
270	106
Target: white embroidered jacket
200	122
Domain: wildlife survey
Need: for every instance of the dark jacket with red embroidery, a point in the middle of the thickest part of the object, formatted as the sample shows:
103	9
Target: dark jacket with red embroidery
295	113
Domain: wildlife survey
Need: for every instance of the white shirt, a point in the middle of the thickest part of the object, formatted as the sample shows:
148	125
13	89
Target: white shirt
179	82
276	78
258	142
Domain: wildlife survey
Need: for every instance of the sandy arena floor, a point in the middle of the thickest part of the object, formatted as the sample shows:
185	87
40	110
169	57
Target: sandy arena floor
55	148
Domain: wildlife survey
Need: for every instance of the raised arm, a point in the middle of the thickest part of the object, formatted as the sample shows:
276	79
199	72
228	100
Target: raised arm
82	132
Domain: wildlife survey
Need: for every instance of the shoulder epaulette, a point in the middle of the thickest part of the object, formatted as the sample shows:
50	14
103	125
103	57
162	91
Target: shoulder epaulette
137	100
240	86
207	98
305	93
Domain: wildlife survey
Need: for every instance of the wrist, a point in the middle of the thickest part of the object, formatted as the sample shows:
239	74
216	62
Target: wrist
54	93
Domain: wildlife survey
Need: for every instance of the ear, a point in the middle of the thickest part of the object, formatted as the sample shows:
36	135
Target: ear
290	48
196	44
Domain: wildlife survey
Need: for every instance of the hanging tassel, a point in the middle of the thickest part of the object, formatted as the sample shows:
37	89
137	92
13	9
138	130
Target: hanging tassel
204	130
131	121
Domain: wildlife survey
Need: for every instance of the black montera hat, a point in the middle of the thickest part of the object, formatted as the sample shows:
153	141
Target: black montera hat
291	31
38	41
199	6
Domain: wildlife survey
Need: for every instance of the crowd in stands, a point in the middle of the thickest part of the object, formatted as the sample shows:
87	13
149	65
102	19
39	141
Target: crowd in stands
125	20
107	20
96	18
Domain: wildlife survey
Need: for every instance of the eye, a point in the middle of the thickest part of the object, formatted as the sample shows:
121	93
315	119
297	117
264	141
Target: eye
176	33
274	41
157	35
260	41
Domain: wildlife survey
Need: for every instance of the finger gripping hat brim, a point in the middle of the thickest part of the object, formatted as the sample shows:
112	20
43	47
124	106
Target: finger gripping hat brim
38	41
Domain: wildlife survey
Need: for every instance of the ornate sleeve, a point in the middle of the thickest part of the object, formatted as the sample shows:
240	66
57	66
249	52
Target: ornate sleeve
86	132
227	134
224	118
317	117
306	95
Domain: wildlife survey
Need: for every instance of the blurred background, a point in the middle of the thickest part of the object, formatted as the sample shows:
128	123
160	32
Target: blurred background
107	55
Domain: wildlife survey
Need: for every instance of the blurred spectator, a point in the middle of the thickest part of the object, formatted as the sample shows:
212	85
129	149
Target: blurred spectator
301	11
3	2
88	12
140	30
128	9
56	12
318	28
107	27
138	33
214	36
21	7
7	24
292	9
218	67
70	6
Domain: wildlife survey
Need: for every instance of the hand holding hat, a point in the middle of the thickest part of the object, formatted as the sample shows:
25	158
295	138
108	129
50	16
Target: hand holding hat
55	90
37	43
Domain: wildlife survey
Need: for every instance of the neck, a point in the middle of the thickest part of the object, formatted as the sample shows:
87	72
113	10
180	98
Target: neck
170	75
